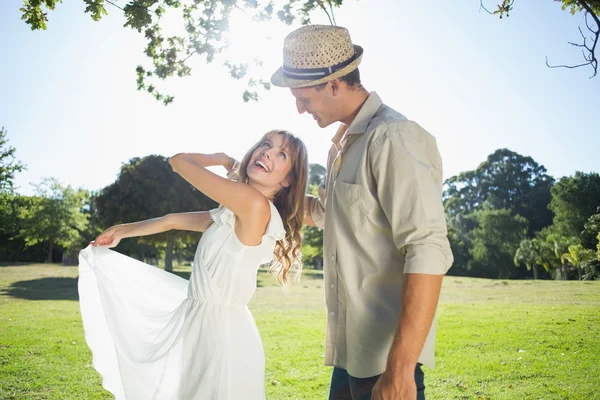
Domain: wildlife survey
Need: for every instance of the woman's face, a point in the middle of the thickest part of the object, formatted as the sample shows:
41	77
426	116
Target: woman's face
270	165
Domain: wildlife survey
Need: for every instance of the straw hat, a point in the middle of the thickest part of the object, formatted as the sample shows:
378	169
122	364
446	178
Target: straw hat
316	54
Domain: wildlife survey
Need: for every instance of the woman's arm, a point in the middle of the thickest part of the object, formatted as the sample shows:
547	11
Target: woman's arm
249	205
113	235
197	221
210	160
190	221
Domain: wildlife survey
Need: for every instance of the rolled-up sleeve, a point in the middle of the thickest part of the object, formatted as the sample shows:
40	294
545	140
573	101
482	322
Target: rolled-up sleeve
316	207
407	170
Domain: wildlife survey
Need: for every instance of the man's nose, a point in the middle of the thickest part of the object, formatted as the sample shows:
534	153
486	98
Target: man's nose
300	107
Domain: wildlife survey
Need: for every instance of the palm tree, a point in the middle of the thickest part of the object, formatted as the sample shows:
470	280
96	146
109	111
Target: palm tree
532	253
559	246
578	256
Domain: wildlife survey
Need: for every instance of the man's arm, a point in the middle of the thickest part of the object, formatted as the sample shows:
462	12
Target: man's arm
308	199
419	302
314	209
407	169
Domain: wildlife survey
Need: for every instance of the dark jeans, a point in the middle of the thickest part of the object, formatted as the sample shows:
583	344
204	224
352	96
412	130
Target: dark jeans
346	387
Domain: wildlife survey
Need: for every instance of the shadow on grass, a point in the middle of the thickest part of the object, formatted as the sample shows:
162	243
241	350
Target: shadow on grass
44	289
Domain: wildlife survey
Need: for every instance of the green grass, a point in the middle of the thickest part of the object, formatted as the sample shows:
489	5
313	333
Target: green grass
496	339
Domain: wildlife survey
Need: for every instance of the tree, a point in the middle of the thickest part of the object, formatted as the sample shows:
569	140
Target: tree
579	257
316	174
590	238
8	164
312	247
9	207
205	23
312	237
531	253
591	12
495	242
574	200
148	188
505	180
591	229
460	236
55	215
527	254
559	245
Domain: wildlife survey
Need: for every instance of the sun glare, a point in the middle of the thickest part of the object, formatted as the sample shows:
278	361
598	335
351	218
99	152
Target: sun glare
251	40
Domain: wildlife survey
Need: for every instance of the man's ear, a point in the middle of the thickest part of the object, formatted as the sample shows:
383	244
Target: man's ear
335	87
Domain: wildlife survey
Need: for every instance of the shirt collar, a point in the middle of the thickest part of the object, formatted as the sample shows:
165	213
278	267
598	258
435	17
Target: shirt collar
361	121
337	138
365	115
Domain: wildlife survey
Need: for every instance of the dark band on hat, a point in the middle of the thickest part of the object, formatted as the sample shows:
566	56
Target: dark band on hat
313	74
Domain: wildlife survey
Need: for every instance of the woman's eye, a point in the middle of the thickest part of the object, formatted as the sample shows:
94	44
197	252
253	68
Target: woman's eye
283	155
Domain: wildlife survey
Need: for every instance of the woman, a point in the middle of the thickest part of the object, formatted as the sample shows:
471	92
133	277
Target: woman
154	335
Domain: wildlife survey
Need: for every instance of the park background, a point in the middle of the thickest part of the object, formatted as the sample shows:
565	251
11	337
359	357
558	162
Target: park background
82	148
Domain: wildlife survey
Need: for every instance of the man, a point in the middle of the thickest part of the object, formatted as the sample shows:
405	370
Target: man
385	245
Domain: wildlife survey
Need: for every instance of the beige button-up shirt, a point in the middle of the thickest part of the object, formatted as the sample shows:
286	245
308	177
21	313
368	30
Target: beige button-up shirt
382	215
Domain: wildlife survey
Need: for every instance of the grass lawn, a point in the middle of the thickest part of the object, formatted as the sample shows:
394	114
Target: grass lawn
496	339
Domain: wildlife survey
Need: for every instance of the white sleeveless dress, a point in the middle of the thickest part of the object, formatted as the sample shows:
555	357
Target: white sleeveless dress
156	336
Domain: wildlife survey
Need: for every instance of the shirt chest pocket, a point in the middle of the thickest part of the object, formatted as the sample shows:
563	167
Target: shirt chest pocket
349	204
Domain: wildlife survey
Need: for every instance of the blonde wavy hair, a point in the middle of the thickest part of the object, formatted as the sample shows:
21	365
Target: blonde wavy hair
289	201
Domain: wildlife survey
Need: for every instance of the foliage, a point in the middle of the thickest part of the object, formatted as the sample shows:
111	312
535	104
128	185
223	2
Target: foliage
55	215
574	200
580	258
205	23
312	237
495	242
591	10
8	164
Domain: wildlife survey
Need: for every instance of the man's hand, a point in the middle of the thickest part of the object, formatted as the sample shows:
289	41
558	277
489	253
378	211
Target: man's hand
392	386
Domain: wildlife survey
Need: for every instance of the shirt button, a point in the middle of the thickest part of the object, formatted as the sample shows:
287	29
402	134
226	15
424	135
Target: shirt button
333	258
332	285
332	313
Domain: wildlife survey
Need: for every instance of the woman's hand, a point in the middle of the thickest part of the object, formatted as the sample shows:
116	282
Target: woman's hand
226	161
109	238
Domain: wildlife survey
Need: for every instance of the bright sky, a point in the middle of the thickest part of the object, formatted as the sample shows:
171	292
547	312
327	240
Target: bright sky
477	83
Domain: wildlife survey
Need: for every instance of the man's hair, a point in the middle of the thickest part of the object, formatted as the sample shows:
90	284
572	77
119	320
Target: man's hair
351	79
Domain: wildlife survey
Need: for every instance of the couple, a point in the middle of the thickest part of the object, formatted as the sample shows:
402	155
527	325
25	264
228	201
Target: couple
154	335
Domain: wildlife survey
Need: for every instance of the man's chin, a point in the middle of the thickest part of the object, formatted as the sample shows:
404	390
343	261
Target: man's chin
323	124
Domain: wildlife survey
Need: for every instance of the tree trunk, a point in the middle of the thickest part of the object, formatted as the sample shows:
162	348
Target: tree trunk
169	254
564	271
535	272
579	273
50	248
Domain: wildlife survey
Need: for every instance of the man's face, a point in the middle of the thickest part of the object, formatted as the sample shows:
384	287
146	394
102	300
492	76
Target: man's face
317	102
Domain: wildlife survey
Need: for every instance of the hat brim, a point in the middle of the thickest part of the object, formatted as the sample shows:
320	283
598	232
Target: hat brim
278	79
